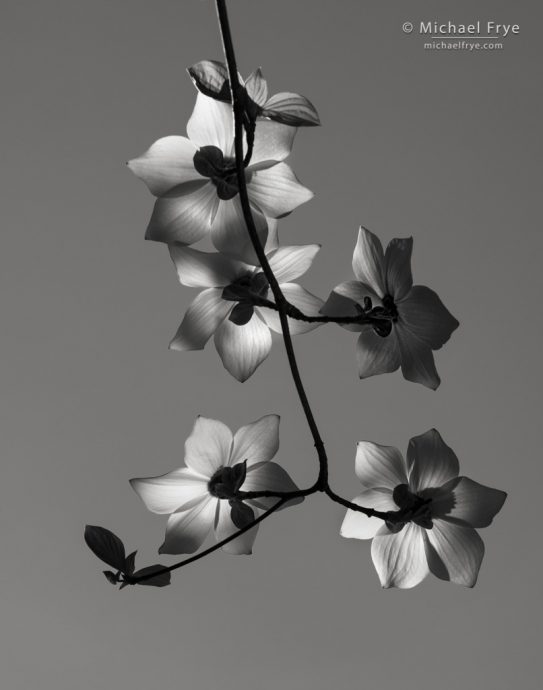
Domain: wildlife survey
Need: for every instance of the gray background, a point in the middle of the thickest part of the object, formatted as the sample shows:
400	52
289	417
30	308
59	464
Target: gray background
444	146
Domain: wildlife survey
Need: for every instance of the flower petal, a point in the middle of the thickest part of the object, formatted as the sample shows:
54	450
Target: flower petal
186	531
273	143
339	305
430	461
269	476
417	360
379	467
184	217
203	317
273	236
369	261
204	269
454	552
375	354
400	558
359	526
276	190
212	124
398	277
229	231
256	442
309	304
426	317
208	447
243	348
289	263
168	163
224	527
177	490
468	502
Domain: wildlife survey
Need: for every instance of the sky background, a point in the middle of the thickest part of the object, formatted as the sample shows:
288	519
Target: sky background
444	146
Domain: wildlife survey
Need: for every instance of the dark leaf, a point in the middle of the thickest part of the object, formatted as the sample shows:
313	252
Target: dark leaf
158	581
111	576
211	78
241	514
130	563
241	314
257	88
291	109
106	545
239	472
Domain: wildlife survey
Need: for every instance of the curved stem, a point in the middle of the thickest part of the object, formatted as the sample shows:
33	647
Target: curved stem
280	301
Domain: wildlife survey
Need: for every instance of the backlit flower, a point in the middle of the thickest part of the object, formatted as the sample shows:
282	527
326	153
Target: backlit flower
438	535
226	306
199	496
414	320
195	180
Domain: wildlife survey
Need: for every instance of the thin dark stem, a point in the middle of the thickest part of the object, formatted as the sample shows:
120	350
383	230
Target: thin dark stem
280	301
215	547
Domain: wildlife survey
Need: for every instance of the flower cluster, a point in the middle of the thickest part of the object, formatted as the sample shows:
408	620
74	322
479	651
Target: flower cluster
228	181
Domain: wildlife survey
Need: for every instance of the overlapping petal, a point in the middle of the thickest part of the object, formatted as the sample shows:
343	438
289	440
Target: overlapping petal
243	348
276	190
256	442
375	354
229	230
269	476
205	269
208	447
273	143
398	277
291	262
454	552
430	461
186	531
166	164
299	297
368	261
417	360
359	526
202	319
224	527
177	490
378	466
400	558
463	500
425	316
212	124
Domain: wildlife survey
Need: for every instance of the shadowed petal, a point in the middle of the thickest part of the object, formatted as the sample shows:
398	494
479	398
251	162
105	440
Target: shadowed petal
269	476
168	163
289	263
398	277
256	442
339	305
212	124
224	527
273	142
201	320
307	303
379	466
257	87
184	218
243	348
430	461
454	552
369	261
172	491
359	526
417	360
375	354
273	236
400	558
204	269
186	531
426	317
276	190
208	447
467	501
229	231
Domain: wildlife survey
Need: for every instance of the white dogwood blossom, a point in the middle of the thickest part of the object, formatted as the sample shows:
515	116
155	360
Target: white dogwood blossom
196	184
199	497
415	321
228	305
443	509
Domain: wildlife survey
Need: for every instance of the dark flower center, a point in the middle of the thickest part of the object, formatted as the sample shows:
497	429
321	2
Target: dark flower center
248	290
383	316
210	162
416	508
226	481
